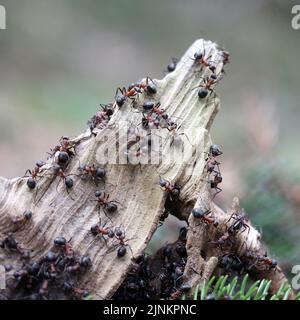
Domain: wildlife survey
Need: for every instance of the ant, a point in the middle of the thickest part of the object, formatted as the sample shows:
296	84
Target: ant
65	245
133	90
83	263
109	207
101	116
217	179
171	188
31	181
223	240
203	216
75	292
120	236
171	66
211	162
262	261
230	261
22	219
226	57
205	88
148	119
59	172
66	150
199	57
179	292
101	230
239	223
150	88
93	171
11	244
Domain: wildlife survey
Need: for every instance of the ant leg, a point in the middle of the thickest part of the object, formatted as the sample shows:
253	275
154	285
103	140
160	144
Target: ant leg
105	213
218	190
27	171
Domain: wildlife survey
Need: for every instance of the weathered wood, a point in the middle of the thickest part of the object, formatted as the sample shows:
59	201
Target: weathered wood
56	212
136	188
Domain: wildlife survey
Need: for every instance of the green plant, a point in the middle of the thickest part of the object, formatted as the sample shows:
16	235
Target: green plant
223	288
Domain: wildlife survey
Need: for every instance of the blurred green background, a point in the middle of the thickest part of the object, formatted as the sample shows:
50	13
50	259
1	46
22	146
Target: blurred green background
59	59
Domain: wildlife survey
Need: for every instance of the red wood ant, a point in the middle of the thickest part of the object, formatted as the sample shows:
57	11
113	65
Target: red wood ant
226	57
239	223
133	90
101	230
179	292
171	188
223	240
65	245
94	172
83	263
120	236
59	172
199	57
109	207
11	244
102	116
149	119
171	66
206	88
66	150
31	181
203	216
261	261
211	162
22	219
217	179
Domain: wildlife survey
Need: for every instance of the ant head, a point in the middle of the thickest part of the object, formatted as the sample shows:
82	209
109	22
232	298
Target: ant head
171	66
198	55
162	182
212	69
50	256
40	163
63	158
120	100
69	183
111	207
94	229
175	192
151	88
198	212
215	150
111	233
273	263
85	261
100	172
118	232
27	214
31	183
213	76
148	106
56	168
60	241
82	166
98	193
109	111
